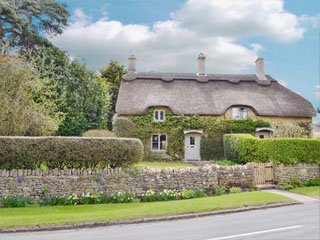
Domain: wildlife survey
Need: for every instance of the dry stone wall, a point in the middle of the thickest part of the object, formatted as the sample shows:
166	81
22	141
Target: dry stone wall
65	182
285	173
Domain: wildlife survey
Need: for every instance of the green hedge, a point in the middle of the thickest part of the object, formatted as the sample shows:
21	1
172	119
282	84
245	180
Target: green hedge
244	148
68	152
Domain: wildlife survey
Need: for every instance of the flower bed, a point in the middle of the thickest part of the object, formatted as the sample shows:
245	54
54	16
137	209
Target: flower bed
121	197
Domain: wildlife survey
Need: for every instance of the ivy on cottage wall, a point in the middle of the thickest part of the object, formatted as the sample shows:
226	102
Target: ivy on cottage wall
143	127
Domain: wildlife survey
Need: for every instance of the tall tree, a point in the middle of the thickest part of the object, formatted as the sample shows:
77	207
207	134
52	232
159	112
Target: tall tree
23	23
113	73
79	93
24	109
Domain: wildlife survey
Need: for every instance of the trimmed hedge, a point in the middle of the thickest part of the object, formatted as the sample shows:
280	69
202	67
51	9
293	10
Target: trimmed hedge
68	152
244	148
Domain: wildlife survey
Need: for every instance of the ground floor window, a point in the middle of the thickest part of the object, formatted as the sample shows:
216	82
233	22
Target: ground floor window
159	142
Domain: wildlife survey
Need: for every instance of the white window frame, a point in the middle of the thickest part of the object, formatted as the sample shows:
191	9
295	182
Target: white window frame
158	150
159	111
239	116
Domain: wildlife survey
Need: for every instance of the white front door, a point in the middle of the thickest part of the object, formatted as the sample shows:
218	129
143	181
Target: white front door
192	147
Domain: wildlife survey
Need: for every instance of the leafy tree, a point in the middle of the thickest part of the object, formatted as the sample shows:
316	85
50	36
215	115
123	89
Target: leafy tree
79	93
23	23
112	74
22	109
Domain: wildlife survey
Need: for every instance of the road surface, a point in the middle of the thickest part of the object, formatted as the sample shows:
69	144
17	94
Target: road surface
292	222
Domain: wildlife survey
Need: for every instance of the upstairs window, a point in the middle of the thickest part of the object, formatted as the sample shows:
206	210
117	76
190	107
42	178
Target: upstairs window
158	142
159	115
239	113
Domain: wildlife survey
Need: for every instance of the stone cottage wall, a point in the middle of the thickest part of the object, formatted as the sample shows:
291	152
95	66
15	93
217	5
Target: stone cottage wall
285	173
61	182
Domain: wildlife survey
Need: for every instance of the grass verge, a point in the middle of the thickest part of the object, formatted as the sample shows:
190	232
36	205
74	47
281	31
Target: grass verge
309	191
164	165
44	216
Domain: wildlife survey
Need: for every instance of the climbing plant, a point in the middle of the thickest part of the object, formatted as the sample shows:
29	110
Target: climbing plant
143	127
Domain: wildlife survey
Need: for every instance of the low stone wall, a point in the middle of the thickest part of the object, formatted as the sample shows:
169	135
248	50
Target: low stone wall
65	182
285	173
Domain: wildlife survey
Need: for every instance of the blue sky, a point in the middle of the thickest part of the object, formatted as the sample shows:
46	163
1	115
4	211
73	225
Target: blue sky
291	57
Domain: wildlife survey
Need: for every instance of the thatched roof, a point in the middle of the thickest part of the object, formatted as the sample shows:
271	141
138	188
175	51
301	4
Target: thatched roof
186	93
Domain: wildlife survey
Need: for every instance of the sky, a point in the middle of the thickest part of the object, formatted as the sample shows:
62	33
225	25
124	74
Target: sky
168	35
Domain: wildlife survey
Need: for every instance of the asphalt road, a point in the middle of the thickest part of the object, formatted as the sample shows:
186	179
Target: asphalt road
292	222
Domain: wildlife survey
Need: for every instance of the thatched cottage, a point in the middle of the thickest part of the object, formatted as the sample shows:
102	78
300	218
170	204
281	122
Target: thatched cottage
226	96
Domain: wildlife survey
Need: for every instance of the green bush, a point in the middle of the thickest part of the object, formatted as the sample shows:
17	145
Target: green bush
68	152
219	191
187	194
123	127
244	148
14	201
211	148
312	183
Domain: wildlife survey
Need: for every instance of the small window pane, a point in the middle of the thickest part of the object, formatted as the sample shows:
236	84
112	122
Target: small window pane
161	115
192	140
163	142
261	136
155	142
156	115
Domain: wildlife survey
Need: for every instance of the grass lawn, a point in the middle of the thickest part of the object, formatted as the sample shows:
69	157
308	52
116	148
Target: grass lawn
164	165
34	216
309	191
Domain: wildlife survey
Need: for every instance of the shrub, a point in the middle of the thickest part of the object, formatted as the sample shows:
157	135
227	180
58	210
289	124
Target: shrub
211	148
287	186
199	193
14	201
123	127
187	194
219	190
312	182
292	130
296	183
235	190
98	133
68	152
244	148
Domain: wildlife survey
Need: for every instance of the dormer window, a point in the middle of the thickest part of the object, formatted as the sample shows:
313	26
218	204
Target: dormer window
239	113
159	115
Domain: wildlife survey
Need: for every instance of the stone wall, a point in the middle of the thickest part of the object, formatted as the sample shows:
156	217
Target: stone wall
61	182
285	173
66	182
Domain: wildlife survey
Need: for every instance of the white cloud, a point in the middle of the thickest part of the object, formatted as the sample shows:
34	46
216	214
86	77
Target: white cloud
209	26
240	19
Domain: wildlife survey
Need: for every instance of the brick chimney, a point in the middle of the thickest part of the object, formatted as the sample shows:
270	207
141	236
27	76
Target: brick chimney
260	69
202	65
132	64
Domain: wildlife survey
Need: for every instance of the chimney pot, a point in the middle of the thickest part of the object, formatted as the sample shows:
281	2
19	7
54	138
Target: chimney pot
260	69
202	65
132	64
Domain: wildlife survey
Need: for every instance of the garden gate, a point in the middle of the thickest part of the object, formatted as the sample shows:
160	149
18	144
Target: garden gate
263	173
